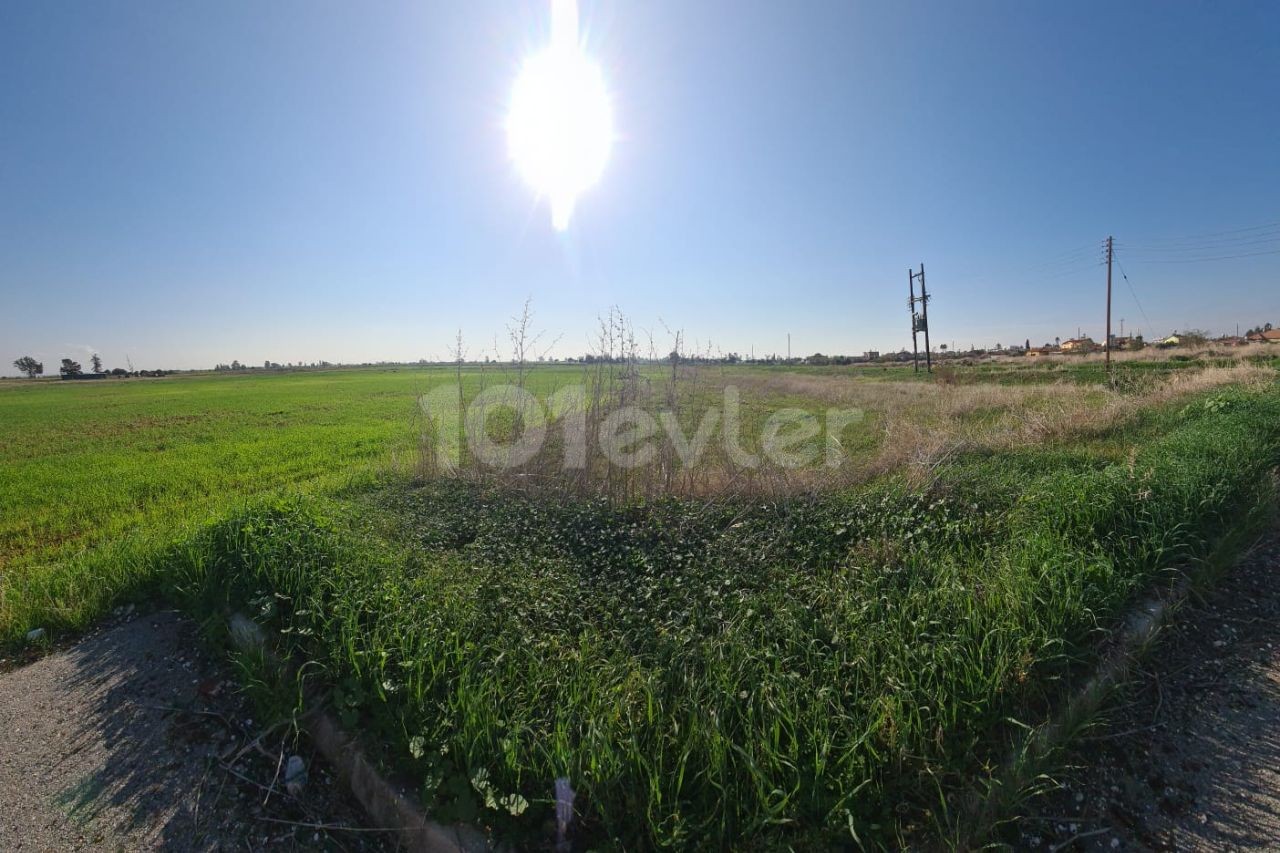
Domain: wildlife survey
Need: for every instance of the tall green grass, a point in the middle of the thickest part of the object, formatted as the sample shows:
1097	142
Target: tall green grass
738	672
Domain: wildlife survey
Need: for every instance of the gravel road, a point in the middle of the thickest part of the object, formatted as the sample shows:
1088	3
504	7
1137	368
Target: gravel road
1189	756
134	739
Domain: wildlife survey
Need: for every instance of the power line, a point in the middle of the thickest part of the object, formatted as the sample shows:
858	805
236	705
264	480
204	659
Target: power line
1076	269
1252	234
1200	260
1213	234
1069	262
1065	258
1134	294
1253	240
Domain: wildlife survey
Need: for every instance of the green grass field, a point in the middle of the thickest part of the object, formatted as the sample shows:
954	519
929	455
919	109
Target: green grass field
769	662
86	462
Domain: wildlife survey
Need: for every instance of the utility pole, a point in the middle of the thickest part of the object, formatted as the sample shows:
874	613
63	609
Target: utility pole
1110	252
919	319
788	346
924	308
911	306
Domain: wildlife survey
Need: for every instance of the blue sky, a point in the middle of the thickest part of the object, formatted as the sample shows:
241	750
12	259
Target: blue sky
188	183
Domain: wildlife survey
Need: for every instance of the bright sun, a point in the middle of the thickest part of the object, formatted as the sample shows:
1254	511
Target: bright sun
560	126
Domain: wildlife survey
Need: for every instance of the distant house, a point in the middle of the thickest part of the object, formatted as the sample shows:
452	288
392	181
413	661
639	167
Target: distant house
1271	336
1171	341
1121	343
1079	345
871	355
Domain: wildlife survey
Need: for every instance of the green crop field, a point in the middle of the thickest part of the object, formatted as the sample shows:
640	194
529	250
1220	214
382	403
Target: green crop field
719	656
86	462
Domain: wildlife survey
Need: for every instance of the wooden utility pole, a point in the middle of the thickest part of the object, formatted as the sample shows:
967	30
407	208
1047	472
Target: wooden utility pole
919	319
1109	253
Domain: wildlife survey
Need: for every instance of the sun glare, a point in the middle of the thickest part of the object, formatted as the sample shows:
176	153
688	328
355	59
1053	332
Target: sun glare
560	126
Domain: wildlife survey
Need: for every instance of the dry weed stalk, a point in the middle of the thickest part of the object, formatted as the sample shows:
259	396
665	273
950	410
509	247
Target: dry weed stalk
916	427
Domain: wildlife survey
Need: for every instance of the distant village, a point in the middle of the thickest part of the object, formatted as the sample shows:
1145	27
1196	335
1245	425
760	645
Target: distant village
1261	335
1079	345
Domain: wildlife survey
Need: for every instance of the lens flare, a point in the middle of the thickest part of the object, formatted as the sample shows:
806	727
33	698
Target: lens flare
560	124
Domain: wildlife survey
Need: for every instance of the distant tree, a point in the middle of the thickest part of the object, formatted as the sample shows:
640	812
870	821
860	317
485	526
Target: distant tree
70	368
1267	327
97	362
942	347
1027	345
1194	337
29	366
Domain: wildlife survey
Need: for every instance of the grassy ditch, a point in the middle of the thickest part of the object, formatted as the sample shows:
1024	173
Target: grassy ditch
732	672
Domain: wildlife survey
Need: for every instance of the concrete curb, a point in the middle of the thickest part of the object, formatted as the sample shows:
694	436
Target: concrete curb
385	806
981	814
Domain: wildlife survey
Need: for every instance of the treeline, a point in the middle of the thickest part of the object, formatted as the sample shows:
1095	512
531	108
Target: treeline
72	369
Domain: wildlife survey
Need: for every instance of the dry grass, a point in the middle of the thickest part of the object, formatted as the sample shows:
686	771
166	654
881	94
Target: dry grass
911	427
1146	354
925	428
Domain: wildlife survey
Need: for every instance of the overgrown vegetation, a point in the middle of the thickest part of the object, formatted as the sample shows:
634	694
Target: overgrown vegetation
839	660
766	672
